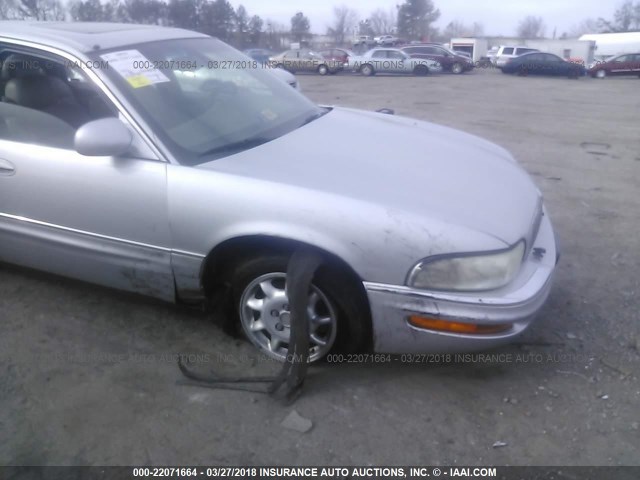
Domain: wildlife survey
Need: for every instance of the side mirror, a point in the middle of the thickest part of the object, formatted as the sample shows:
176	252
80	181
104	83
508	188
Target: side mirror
107	137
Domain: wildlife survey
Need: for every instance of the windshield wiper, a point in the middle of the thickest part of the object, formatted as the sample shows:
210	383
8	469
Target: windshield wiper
313	117
245	144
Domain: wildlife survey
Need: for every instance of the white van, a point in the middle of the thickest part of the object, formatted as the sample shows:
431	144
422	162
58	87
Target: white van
507	52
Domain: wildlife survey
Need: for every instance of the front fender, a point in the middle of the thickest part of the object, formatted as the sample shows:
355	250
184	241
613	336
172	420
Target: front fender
379	243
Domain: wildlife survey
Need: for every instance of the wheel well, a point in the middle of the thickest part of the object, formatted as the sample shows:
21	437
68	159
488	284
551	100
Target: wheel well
219	263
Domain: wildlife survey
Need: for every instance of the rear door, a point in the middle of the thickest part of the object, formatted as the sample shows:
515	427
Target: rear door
416	52
552	65
290	60
506	54
380	61
531	64
440	56
621	65
399	61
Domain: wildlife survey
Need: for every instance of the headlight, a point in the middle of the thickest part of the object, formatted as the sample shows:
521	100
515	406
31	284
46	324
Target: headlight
468	272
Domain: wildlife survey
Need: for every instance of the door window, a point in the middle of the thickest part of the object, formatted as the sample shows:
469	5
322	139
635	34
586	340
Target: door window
44	102
552	58
396	55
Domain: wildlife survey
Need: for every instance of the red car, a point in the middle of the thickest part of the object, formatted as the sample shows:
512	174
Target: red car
337	54
451	61
627	64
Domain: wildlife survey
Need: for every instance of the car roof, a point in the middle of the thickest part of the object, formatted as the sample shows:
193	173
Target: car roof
537	53
385	49
437	45
89	36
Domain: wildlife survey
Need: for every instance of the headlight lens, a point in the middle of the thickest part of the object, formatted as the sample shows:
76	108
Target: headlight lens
468	272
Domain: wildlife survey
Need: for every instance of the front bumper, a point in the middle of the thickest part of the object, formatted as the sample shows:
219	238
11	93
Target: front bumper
516	304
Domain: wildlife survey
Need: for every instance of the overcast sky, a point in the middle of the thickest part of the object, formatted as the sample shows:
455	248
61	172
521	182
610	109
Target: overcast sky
499	17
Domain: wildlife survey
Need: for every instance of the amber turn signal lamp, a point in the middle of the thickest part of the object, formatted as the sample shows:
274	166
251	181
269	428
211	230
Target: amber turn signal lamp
455	327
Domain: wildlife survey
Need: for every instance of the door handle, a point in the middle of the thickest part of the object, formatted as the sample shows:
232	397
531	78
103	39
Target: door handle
6	167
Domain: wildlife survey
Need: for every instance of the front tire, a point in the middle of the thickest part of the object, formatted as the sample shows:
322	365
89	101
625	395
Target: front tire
337	318
600	74
367	70
420	70
457	68
323	69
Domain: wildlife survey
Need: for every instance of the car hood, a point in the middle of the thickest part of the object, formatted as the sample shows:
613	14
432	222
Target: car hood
401	165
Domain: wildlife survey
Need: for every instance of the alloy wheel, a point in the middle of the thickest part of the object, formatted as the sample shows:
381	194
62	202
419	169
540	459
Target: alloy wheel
266	319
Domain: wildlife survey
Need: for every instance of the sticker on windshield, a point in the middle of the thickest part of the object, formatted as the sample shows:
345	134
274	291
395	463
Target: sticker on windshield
135	68
269	114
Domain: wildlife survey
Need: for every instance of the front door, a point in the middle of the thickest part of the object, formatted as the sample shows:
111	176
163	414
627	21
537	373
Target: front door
99	219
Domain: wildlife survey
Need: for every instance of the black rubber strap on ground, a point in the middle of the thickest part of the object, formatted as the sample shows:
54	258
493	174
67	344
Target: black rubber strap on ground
301	269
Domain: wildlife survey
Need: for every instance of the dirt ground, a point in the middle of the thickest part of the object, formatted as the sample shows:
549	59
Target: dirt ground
88	375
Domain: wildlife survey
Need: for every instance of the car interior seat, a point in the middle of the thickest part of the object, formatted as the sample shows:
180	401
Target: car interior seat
47	94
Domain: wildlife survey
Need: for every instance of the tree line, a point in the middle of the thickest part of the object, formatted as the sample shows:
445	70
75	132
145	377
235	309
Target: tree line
410	20
626	18
213	17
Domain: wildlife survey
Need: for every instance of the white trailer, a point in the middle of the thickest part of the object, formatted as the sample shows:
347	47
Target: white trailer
475	47
608	44
570	49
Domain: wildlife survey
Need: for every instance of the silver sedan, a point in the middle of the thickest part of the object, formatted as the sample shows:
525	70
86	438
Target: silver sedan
120	166
392	60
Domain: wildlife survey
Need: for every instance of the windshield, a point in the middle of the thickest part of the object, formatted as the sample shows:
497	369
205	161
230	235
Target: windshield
204	99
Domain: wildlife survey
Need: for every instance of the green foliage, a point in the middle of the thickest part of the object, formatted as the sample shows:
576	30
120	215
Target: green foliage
415	18
256	29
300	27
213	17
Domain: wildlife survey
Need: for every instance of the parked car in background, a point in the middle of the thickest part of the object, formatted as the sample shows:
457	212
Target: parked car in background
259	54
392	60
386	40
449	60
287	77
305	61
627	64
506	53
338	54
139	178
539	63
489	58
363	41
